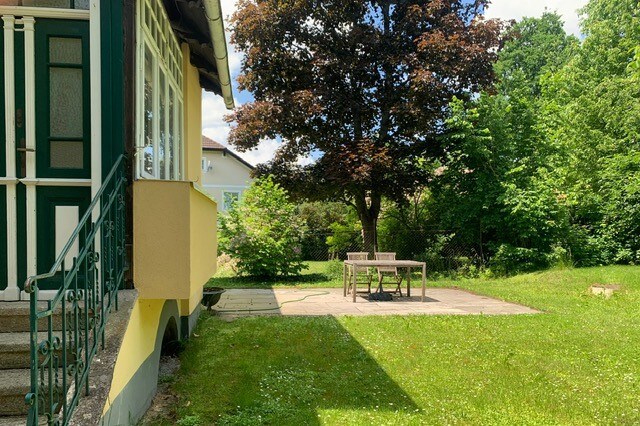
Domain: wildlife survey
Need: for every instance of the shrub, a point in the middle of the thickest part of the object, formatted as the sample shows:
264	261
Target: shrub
334	269
262	232
510	260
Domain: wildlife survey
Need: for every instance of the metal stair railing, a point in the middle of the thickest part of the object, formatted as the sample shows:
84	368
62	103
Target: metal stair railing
74	319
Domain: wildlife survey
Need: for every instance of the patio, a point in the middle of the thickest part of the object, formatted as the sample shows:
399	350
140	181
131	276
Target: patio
318	302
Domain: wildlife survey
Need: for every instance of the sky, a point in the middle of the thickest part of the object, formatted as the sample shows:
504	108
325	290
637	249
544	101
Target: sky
213	109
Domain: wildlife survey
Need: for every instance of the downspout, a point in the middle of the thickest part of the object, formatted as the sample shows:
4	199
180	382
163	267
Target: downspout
216	28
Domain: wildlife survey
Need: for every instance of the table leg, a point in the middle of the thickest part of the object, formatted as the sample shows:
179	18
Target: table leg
353	288
344	279
424	280
408	282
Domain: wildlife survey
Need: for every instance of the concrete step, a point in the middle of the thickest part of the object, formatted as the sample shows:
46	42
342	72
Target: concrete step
13	421
14	317
14	385
15	350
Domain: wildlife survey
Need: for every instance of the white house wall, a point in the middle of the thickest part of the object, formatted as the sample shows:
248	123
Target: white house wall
226	174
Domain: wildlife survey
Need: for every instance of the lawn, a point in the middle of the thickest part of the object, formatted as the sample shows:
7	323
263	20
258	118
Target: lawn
316	274
578	363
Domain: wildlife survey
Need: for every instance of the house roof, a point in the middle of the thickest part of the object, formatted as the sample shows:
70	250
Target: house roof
200	25
211	145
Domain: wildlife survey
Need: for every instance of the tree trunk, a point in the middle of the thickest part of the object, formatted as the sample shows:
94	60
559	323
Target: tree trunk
368	208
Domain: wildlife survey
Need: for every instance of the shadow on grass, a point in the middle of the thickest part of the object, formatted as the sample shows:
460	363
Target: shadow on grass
285	371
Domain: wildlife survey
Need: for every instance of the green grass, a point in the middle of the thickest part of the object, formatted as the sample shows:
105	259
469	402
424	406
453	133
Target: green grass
316	274
576	364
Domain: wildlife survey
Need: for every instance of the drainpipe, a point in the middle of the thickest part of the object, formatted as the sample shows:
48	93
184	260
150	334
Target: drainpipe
216	28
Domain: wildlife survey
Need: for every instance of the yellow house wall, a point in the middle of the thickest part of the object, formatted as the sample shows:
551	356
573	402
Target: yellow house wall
175	243
192	93
227	174
161	239
138	344
204	241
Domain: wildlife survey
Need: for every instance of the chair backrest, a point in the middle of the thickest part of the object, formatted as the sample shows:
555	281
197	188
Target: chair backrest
359	255
386	256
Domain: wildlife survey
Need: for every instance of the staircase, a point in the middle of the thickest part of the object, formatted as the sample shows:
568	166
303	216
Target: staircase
15	361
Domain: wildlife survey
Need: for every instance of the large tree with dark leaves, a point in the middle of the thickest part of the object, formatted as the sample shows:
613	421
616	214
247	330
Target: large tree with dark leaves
361	85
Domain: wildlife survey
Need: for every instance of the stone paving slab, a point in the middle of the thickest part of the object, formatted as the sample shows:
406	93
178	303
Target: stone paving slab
319	302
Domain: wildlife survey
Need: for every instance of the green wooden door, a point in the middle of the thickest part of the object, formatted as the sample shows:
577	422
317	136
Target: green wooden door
51	146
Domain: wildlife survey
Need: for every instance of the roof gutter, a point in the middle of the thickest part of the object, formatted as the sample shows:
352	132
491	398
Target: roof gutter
216	28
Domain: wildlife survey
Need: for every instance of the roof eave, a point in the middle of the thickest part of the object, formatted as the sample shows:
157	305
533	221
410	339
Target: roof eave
231	153
213	11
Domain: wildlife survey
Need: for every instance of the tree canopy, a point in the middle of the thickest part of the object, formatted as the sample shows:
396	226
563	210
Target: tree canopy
364	86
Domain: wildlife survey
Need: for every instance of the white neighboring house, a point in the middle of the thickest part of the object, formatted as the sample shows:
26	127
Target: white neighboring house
225	174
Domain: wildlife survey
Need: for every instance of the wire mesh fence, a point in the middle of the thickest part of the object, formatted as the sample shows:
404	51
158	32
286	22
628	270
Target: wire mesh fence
442	252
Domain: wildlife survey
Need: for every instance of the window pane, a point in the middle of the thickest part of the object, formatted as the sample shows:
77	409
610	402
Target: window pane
81	4
66	154
65	50
148	112
171	136
65	107
163	131
229	199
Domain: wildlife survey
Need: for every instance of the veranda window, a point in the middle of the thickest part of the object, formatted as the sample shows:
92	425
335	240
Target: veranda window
160	130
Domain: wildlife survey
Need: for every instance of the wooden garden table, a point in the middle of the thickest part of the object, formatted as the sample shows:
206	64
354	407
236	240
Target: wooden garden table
402	264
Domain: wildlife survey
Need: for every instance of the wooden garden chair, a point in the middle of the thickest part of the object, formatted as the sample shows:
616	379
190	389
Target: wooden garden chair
391	271
369	277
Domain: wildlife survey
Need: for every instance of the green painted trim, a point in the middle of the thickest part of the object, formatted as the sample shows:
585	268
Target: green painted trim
130	405
47	198
46	28
3	238
113	78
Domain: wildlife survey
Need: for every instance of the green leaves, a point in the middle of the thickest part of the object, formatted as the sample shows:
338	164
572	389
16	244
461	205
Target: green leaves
263	232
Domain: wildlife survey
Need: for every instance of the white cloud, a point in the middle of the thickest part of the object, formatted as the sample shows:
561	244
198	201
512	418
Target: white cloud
510	9
213	108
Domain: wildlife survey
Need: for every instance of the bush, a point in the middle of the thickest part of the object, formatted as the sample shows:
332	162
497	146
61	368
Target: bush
262	232
510	260
334	269
318	217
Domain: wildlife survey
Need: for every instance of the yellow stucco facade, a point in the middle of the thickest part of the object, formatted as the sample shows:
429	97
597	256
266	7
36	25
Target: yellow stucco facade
174	222
174	254
192	93
143	322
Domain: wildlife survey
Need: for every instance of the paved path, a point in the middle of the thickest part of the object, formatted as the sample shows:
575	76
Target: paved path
313	302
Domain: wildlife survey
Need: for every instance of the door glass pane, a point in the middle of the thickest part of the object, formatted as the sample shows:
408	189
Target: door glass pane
66	103
81	4
162	125
148	112
66	154
65	50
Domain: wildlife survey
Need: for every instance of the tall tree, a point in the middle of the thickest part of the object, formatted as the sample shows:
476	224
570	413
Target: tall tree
494	189
592	114
362	85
